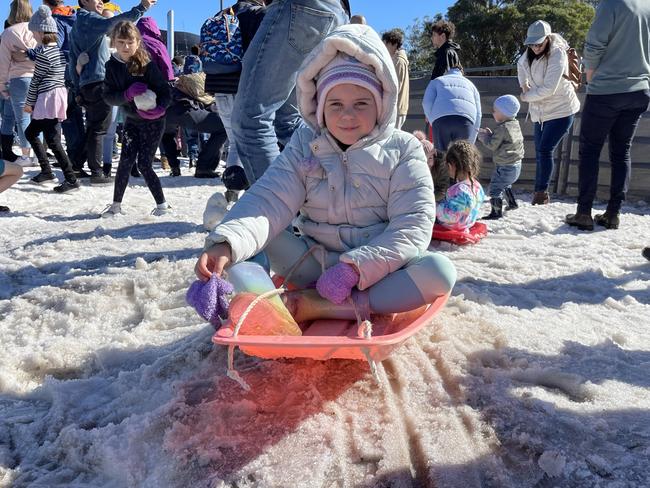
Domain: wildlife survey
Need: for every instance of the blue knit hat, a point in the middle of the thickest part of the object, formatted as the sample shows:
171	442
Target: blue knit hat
42	20
508	105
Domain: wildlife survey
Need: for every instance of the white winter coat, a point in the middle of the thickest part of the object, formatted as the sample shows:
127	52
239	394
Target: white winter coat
373	202
551	96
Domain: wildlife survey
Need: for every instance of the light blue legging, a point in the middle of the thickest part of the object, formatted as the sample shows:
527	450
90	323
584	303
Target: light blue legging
419	282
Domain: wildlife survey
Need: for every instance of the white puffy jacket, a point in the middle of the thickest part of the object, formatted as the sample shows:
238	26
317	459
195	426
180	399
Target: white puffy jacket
551	96
373	202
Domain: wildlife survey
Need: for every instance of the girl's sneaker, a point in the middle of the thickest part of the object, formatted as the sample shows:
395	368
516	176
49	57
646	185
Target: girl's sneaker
43	177
161	209
25	161
66	186
112	210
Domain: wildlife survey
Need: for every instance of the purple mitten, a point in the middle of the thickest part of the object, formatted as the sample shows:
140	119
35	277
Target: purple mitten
134	90
154	113
337	282
209	299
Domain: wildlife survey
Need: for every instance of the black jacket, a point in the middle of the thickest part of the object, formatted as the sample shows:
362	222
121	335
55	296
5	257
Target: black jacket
118	79
446	56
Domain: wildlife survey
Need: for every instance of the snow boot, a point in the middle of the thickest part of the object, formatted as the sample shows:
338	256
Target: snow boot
511	201
541	198
609	219
580	220
7	148
497	209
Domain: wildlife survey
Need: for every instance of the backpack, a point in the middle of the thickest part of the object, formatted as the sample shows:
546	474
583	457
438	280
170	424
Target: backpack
221	49
575	69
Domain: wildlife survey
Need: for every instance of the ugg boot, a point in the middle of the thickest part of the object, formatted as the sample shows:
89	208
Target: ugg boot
7	148
510	199
541	198
497	209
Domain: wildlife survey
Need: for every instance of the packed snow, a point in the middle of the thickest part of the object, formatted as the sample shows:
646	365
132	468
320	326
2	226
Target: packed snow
537	372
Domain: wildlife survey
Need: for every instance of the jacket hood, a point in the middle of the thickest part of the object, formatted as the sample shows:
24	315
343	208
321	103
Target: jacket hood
559	42
401	53
362	43
148	28
453	45
64	11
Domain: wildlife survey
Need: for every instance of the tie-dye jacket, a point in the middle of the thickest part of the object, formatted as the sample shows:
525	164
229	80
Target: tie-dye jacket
460	208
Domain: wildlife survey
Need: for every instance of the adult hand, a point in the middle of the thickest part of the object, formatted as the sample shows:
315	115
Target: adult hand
153	114
337	282
214	260
4	94
526	87
27	109
147	4
589	74
137	88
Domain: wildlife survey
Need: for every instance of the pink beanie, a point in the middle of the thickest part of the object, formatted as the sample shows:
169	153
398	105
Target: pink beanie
346	69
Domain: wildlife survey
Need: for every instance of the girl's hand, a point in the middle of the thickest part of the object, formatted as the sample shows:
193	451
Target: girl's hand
147	4
214	260
27	109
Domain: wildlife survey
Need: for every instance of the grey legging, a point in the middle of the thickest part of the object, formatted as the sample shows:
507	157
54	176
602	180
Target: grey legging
419	282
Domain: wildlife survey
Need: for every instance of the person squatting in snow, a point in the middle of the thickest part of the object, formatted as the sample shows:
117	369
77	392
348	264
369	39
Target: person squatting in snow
362	189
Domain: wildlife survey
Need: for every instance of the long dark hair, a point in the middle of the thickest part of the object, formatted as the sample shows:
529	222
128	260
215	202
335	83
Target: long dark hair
531	56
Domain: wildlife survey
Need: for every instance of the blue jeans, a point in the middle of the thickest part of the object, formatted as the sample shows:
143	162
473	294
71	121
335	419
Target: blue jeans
614	117
224	103
452	128
547	136
13	110
503	176
265	112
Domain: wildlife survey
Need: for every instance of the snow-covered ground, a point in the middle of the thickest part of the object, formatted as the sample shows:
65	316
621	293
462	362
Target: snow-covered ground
537	373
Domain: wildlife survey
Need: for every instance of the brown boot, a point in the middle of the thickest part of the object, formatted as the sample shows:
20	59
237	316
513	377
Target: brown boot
541	198
580	220
609	220
164	163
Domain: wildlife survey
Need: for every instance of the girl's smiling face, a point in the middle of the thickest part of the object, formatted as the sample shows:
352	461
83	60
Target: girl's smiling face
350	112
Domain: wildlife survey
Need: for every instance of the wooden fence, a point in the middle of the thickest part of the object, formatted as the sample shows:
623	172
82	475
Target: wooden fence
565	176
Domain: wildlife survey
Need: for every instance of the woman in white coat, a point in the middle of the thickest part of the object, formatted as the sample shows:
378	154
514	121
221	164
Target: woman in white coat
552	100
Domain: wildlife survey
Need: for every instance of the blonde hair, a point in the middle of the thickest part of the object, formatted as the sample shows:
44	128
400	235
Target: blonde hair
465	157
140	59
20	11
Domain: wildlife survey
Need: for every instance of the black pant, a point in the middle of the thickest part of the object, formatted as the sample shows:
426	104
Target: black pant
451	128
74	132
615	116
139	141
98	119
51	129
183	115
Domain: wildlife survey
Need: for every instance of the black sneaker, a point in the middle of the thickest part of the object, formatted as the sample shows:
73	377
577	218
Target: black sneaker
175	172
43	177
81	173
66	186
646	253
101	179
207	174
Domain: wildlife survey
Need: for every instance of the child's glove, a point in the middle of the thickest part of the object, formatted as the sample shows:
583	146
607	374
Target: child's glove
337	282
153	114
209	298
134	90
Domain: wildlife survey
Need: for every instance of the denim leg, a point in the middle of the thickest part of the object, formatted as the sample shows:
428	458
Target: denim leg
18	88
8	120
292	28
224	102
547	136
503	177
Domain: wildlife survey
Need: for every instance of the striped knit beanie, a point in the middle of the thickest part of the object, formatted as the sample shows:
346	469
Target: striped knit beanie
346	69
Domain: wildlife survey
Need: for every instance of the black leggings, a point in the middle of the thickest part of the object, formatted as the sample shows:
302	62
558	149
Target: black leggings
139	141
51	129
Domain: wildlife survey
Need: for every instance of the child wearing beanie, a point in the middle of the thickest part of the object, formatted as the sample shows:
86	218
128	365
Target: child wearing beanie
437	166
507	145
361	189
47	100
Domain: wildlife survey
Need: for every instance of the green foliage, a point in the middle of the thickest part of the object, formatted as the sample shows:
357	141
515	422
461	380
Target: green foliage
492	32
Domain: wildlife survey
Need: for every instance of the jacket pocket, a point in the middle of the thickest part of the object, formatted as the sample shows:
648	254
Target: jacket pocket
307	27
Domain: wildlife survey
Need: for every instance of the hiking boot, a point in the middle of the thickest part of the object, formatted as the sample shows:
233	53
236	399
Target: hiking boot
175	172
80	173
511	201
66	186
497	209
43	177
112	210
580	220
645	252
101	179
164	163
541	198
609	220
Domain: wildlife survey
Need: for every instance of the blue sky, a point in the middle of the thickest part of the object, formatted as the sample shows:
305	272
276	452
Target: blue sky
381	14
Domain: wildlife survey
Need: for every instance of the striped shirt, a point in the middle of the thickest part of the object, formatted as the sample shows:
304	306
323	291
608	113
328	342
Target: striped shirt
49	72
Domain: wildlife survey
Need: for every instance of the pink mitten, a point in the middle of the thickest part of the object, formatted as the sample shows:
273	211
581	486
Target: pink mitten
153	114
134	90
337	282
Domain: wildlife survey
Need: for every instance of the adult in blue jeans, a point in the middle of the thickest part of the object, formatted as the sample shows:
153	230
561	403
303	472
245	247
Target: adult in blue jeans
265	113
617	62
552	100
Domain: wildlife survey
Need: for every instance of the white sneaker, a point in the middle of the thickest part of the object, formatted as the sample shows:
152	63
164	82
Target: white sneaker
112	210
162	209
25	161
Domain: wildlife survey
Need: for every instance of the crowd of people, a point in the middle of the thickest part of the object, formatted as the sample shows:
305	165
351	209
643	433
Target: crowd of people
321	137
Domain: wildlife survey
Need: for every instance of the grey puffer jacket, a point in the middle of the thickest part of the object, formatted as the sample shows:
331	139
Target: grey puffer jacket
372	202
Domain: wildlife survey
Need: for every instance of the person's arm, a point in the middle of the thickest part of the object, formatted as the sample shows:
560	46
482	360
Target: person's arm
557	65
5	62
411	212
157	83
402	78
598	37
494	140
97	25
40	71
522	72
429	100
113	88
440	66
479	116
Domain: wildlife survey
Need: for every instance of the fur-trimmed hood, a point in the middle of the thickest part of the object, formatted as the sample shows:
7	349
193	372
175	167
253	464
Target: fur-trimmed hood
362	43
